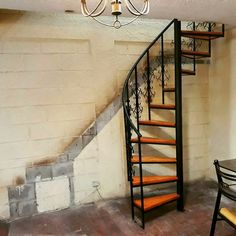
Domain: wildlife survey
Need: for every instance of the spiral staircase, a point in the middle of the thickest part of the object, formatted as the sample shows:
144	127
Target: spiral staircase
152	103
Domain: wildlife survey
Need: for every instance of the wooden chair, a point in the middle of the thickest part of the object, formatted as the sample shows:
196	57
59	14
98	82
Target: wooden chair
225	182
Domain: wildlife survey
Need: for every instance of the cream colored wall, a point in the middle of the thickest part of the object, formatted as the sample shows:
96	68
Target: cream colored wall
57	73
196	124
222	93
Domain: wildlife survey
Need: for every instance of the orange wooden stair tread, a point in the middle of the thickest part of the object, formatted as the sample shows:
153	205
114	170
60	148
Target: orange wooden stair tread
153	159
162	106
154	141
153	179
188	72
152	202
169	89
157	123
195	53
201	33
200	37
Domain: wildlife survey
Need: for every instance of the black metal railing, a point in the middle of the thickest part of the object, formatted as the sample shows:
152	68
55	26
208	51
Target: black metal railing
132	90
152	65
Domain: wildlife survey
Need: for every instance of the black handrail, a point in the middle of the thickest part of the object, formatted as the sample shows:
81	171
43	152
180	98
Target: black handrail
126	113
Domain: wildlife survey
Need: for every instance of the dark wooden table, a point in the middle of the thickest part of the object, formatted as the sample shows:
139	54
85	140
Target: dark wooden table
228	164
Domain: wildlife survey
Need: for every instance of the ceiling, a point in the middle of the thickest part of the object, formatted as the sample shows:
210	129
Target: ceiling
222	11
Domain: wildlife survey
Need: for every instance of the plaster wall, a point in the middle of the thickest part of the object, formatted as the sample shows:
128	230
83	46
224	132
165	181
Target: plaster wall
57	74
222	98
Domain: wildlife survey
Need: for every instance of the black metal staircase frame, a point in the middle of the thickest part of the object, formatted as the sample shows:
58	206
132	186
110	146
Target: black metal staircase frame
132	127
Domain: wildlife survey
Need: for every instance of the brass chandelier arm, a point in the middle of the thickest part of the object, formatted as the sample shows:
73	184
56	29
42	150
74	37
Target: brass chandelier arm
86	12
133	10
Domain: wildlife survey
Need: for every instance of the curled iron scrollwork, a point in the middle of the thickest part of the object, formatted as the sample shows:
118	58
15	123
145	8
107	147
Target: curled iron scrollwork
136	107
191	44
148	91
204	26
160	72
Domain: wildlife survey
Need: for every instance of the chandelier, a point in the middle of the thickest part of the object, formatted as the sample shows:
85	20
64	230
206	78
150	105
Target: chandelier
116	11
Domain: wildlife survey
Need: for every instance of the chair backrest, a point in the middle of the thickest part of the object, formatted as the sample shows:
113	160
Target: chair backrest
225	180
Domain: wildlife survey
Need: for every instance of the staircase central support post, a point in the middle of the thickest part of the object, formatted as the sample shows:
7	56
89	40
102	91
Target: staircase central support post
162	69
209	41
178	114
138	104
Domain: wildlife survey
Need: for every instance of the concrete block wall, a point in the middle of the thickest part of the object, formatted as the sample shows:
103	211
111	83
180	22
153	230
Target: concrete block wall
222	90
57	74
196	123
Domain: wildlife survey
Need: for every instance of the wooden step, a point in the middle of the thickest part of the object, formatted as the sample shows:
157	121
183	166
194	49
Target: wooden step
163	106
157	123
202	35
147	140
191	54
187	72
153	159
147	180
169	90
152	202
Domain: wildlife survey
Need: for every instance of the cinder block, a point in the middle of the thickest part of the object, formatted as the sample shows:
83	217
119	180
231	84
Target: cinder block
77	62
91	130
105	117
10	62
78	95
27	208
90	151
86	139
21	192
74	149
13	98
47	130
60	169
87	196
62	158
84	182
72	191
32	79
38	173
5	211
117	104
86	166
13	210
26	115
43	96
132	48
65	46
20	47
100	124
56	112
41	62
70	79
106	114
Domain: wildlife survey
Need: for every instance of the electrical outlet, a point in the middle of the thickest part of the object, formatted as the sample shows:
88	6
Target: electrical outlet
95	184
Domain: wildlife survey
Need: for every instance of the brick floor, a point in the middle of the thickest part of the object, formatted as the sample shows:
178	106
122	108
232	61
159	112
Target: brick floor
112	217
